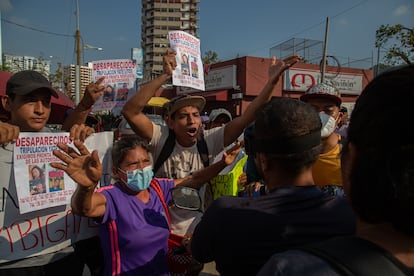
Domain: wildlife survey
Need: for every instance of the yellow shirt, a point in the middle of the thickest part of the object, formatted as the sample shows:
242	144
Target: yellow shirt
327	169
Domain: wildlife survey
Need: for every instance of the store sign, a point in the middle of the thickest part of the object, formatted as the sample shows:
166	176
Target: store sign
302	79
217	79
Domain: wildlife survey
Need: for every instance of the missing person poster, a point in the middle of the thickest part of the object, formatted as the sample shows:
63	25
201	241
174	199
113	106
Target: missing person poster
189	71
39	185
120	76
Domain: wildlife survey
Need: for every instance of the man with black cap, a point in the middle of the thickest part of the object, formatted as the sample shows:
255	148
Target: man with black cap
184	121
240	234
37	242
325	99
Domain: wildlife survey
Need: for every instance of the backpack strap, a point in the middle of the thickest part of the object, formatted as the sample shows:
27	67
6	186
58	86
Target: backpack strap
169	145
166	150
356	257
203	150
154	184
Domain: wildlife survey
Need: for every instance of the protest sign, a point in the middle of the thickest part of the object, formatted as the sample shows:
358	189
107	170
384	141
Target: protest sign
120	75
226	184
50	225
189	71
46	186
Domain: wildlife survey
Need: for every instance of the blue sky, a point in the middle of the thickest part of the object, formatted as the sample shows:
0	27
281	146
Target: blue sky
228	27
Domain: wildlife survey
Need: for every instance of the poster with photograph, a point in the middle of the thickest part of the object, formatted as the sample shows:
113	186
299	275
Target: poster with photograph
38	184
189	71
120	76
32	155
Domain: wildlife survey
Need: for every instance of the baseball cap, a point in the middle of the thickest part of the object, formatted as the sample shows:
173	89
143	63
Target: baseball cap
217	112
322	90
185	100
25	82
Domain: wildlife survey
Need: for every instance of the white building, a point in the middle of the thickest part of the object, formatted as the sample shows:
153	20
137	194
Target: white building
20	63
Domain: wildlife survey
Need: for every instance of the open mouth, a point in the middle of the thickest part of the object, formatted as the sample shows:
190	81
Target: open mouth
192	132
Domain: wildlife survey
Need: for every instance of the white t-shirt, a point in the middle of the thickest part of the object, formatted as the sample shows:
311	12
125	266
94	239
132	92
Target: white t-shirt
182	162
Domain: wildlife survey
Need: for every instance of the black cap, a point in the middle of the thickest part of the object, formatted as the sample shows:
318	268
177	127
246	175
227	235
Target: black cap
25	82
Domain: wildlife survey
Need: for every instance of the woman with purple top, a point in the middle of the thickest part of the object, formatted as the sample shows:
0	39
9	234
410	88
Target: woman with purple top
134	229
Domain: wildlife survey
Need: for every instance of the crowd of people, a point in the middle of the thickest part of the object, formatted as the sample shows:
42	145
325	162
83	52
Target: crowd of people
326	180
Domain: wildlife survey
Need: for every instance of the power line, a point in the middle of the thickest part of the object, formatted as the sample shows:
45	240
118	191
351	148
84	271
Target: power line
35	29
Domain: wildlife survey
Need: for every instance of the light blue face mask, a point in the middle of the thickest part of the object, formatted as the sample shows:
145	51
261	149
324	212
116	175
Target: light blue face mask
139	179
328	124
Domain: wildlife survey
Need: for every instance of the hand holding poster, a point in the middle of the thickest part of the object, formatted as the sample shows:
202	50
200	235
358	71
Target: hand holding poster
189	71
45	186
37	221
120	75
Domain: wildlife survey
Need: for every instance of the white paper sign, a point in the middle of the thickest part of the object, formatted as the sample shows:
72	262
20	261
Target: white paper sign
189	71
39	185
120	75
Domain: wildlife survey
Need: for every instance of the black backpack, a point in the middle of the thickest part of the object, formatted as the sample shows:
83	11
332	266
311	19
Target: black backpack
169	145
356	257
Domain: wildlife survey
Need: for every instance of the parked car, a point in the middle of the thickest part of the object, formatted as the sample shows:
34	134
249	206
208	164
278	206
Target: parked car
122	128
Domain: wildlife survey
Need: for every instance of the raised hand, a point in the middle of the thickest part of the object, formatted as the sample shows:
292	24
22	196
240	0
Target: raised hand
84	167
169	62
230	155
92	92
277	67
80	132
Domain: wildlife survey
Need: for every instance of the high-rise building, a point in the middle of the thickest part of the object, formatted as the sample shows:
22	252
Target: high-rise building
159	17
20	63
69	76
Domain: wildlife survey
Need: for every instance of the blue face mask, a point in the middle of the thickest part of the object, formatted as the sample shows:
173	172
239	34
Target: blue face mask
139	179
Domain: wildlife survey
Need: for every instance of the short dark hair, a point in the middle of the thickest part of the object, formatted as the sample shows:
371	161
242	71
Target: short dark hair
122	146
382	176
283	122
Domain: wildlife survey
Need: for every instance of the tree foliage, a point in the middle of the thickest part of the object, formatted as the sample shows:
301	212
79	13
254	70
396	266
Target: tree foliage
5	67
399	41
210	57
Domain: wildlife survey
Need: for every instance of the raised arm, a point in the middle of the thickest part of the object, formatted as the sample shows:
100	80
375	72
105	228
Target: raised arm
78	116
86	170
197	179
132	109
235	127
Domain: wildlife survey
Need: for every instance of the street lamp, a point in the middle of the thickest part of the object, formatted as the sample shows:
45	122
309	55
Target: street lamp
89	47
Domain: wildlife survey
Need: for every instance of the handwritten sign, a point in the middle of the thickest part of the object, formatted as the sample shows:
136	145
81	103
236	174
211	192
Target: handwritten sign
189	71
226	184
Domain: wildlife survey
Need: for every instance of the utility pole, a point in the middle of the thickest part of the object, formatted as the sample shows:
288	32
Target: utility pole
78	56
325	46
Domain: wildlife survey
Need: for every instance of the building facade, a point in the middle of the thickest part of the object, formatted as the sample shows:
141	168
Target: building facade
20	63
233	84
158	18
69	79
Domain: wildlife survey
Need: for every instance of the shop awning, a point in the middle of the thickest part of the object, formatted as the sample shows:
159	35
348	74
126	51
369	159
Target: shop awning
157	101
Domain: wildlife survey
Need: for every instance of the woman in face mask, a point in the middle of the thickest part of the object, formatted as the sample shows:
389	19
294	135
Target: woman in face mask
133	225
